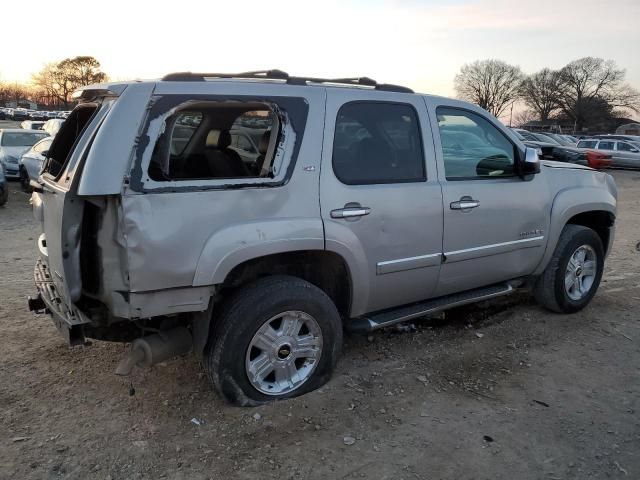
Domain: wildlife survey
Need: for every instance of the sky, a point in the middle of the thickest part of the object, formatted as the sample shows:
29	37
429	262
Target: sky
417	43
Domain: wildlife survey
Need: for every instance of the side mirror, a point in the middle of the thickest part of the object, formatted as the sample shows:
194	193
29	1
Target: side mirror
634	150
44	153
531	163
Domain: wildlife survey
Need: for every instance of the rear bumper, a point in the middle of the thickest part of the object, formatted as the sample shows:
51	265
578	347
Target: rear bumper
68	320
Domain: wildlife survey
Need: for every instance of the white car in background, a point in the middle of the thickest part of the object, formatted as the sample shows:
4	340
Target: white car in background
32	125
13	143
52	126
31	162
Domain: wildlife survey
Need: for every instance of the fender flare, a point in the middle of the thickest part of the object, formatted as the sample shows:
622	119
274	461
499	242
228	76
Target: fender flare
567	204
236	244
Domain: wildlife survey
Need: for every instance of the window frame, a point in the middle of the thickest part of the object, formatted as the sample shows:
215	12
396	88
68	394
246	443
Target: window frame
517	152
423	163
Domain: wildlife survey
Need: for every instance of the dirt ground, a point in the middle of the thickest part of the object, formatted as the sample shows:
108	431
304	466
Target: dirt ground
505	390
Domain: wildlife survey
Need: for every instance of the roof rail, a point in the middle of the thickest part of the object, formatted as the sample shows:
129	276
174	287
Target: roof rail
280	75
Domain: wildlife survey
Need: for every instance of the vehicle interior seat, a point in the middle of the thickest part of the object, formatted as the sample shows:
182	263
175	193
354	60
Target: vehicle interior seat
263	146
222	161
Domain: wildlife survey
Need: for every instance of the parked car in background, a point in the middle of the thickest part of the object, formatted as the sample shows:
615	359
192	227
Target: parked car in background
37	115
3	114
52	126
32	125
4	191
13	143
561	139
20	114
624	153
598	160
632	138
31	162
551	149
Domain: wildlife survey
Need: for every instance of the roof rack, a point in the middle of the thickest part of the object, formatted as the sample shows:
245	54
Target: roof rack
280	75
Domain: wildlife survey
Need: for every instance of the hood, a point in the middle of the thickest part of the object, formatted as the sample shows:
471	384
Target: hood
573	166
15	152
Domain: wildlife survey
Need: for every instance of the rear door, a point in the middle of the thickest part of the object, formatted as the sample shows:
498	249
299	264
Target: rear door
495	223
379	195
62	214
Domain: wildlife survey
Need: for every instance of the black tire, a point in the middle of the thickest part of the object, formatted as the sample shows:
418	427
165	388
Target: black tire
549	289
248	309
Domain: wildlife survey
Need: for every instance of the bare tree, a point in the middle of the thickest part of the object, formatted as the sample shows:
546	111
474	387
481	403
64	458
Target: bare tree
59	80
491	84
591	82
13	92
541	92
525	116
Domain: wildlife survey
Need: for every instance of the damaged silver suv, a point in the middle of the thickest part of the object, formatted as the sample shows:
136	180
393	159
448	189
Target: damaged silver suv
252	218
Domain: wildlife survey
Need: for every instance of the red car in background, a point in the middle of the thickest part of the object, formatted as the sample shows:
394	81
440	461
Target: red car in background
598	160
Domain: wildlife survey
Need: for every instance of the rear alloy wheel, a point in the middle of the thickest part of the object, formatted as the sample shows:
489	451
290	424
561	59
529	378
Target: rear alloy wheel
573	274
283	353
276	338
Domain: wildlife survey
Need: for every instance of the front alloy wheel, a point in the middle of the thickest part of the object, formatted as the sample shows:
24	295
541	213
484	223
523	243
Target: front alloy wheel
580	273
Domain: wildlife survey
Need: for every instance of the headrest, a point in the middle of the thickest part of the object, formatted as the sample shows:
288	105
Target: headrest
212	138
218	139
263	146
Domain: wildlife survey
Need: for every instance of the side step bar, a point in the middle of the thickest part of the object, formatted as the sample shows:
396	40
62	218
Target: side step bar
402	314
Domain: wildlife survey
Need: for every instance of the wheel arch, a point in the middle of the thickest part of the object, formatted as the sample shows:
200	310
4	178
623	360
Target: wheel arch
569	207
326	270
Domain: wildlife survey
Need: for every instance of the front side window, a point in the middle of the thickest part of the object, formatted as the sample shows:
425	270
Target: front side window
213	140
472	147
377	142
606	145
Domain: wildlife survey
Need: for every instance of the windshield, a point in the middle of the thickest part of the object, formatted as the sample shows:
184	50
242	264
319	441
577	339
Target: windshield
19	139
520	137
545	138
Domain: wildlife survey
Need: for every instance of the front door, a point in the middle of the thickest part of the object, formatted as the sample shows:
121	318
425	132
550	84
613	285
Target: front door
380	198
627	155
495	223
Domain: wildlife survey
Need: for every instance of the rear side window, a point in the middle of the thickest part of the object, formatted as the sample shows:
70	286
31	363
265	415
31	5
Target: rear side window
606	145
587	144
472	147
378	142
213	140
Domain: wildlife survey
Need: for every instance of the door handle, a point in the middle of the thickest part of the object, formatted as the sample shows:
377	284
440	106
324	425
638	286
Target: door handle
350	211
464	203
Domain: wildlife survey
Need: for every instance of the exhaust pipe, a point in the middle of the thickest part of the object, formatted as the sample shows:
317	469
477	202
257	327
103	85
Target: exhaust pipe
147	351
